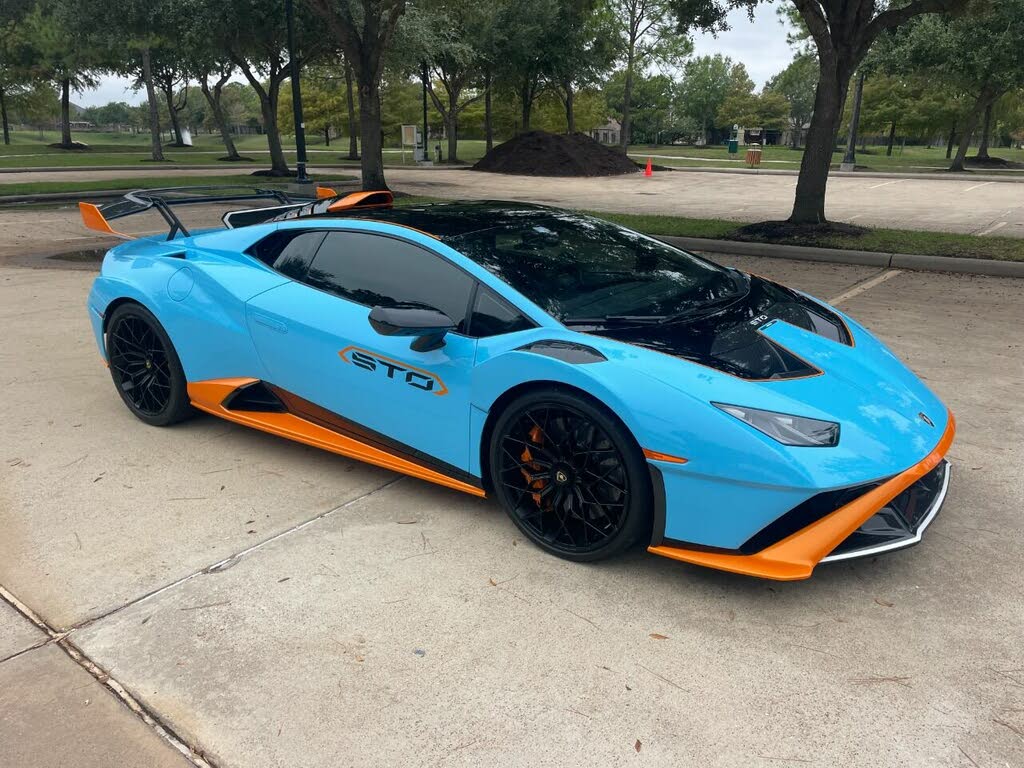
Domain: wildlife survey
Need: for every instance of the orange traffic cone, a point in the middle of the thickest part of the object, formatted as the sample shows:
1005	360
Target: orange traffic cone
648	171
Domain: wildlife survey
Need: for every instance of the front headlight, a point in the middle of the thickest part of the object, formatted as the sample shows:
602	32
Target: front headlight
787	429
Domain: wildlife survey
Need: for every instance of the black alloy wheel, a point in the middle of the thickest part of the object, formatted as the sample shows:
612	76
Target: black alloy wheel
145	368
570	476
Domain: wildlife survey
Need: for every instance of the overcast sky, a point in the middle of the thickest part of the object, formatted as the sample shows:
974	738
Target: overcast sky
760	45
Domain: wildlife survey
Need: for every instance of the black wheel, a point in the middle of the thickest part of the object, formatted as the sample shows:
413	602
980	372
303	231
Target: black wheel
145	368
570	476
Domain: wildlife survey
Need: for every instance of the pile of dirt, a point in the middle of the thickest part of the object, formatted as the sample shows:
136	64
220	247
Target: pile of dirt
992	162
539	153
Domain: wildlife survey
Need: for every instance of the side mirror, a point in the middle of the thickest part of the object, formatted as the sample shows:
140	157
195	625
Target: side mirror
428	325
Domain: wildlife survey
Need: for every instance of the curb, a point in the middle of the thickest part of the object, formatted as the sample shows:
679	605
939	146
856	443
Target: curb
919	262
938	175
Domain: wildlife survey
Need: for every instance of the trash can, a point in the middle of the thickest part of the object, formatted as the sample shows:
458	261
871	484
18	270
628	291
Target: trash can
734	146
754	156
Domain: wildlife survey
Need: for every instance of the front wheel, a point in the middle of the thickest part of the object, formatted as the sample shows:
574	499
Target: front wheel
145	368
570	476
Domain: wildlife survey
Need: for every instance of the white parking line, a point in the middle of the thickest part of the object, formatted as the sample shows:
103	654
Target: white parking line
866	285
976	186
887	183
993	228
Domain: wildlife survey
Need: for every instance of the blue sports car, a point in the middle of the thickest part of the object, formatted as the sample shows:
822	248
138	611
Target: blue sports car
604	387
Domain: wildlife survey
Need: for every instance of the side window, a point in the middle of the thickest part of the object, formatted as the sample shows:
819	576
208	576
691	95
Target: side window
376	270
289	252
492	316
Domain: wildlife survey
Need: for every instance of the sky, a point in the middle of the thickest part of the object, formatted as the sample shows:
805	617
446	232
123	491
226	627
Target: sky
760	45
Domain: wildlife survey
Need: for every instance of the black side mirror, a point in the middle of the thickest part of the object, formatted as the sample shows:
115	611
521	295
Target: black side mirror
428	325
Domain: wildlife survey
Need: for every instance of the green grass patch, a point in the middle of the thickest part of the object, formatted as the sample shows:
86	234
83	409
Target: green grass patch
876	240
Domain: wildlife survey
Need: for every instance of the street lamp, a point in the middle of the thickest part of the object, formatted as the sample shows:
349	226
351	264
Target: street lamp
300	128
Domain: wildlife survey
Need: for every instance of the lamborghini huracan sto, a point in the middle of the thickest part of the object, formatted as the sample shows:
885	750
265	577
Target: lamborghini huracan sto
604	387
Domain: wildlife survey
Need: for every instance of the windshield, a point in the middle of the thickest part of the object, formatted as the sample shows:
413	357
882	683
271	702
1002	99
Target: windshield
581	269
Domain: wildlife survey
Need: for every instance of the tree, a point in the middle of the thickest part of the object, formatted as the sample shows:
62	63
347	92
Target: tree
704	87
15	62
523	55
796	84
646	37
980	54
888	103
652	103
843	33
587	54
364	29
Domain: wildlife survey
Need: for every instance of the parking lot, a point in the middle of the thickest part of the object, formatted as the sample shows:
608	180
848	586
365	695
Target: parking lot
267	604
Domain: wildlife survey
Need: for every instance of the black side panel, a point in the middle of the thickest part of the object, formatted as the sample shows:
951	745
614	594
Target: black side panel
332	421
566	351
254	397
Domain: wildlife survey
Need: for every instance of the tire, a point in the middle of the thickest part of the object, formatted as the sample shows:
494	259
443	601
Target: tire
145	368
570	475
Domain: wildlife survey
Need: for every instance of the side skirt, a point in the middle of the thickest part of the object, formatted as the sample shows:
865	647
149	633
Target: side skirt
210	396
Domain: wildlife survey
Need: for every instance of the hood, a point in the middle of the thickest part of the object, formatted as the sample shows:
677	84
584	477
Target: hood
731	339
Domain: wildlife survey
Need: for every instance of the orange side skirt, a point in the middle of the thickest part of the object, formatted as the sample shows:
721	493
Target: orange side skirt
208	396
795	556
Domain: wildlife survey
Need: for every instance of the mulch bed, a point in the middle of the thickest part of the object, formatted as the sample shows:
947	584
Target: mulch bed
795	234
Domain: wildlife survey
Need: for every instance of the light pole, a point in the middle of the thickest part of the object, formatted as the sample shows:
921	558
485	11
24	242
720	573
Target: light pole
424	76
300	129
850	158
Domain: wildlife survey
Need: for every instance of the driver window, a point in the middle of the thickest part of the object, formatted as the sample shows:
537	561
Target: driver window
377	270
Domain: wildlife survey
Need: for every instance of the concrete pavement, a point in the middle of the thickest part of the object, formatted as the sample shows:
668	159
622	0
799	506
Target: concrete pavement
945	205
358	618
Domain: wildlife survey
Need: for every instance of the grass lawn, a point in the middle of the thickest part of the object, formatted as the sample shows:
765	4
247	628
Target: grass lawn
878	240
152	182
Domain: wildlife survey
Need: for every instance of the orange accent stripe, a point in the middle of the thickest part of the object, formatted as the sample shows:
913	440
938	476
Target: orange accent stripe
378	199
93	219
208	395
658	456
795	556
324	192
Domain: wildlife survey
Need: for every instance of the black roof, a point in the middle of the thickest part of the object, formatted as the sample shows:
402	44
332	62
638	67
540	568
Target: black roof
442	220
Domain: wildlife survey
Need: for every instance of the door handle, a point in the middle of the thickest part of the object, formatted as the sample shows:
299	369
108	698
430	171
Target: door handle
269	322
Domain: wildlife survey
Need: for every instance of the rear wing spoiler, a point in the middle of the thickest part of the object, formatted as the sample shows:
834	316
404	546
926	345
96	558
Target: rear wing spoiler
98	217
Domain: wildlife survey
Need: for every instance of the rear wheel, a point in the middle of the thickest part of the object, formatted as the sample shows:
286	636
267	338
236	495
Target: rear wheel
145	368
570	476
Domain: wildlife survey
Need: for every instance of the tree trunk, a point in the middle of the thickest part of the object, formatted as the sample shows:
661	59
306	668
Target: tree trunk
892	138
65	113
327	135
154	112
627	103
968	132
527	105
570	112
168	89
370	135
3	117
488	123
809	203
353	144
850	158
949	142
451	127
986	130
268	106
213	99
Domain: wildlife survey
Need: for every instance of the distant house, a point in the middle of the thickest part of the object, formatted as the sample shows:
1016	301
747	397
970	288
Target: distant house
608	133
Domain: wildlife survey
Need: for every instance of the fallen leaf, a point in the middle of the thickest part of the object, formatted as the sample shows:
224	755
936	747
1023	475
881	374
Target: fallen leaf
282	581
637	745
656	636
628	688
492	582
408	522
884	603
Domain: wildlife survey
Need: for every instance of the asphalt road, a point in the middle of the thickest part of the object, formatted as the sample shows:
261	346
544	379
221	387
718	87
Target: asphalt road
947	205
359	618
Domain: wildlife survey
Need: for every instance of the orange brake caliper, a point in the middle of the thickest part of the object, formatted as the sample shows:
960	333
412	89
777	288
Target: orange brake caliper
534	485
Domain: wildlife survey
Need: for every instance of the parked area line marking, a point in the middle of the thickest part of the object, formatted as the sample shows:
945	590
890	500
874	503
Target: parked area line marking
993	228
865	285
976	186
887	183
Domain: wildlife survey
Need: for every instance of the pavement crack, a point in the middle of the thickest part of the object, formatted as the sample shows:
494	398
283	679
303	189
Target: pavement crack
233	559
191	753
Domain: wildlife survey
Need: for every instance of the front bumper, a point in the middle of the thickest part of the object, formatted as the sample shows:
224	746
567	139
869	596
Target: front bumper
843	533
